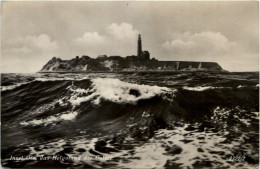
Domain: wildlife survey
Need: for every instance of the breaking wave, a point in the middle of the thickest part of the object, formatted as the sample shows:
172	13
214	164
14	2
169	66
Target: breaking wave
116	91
144	120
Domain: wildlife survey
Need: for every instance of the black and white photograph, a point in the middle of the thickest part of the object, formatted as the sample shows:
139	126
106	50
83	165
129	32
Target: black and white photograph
130	84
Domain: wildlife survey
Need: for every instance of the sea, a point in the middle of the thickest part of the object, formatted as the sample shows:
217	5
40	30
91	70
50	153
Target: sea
130	120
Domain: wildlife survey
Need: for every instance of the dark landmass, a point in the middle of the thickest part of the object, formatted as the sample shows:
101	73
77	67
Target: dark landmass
140	62
120	64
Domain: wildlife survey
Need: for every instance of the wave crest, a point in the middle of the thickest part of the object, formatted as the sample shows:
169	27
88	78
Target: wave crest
51	119
117	91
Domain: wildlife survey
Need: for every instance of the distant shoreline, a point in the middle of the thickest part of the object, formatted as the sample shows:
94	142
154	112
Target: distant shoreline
145	71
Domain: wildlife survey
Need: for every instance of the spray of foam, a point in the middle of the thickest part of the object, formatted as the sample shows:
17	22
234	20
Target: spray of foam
117	91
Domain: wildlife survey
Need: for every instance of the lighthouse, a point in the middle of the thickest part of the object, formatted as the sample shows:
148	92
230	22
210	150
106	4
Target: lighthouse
139	46
141	55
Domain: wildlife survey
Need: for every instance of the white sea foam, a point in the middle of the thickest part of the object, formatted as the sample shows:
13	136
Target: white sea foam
132	125
75	78
220	115
54	79
154	153
46	121
198	88
117	91
11	87
69	116
256	115
51	119
145	114
203	88
78	100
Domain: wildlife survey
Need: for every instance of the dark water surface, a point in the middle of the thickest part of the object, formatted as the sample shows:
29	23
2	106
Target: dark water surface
130	120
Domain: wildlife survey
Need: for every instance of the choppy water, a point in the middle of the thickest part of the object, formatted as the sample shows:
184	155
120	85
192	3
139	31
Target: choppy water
130	120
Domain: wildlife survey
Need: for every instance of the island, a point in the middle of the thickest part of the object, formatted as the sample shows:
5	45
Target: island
134	63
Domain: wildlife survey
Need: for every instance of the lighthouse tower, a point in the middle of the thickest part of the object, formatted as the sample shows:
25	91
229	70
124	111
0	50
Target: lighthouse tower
139	46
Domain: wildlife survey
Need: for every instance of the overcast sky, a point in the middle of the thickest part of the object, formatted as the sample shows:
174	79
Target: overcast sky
223	32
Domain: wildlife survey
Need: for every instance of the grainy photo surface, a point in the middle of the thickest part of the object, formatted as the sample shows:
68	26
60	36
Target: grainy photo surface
129	84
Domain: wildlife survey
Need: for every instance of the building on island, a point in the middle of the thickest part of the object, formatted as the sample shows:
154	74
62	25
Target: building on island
145	55
115	57
102	57
133	57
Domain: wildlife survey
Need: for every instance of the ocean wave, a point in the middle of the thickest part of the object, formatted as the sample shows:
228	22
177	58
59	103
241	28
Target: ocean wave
42	79
50	120
117	91
61	79
203	88
114	115
11	87
240	86
198	88
168	148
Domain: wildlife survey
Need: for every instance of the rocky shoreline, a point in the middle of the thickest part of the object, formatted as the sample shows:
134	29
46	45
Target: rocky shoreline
86	64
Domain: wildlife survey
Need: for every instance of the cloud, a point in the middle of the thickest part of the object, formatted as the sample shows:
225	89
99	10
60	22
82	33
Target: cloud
117	39
90	38
122	31
41	43
203	44
27	54
17	51
210	46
